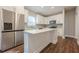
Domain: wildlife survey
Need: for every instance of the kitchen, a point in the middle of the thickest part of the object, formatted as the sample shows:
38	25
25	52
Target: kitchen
22	24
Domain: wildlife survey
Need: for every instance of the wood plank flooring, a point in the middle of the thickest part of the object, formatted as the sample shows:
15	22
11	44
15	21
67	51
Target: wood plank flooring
18	49
67	45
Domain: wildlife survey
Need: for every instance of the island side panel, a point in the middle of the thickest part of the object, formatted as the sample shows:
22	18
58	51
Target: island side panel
53	36
39	41
26	45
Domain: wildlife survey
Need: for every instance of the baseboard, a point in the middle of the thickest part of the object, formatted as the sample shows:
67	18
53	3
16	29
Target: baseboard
77	41
71	36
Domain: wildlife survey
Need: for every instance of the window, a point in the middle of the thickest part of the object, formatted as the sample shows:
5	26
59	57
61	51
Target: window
31	21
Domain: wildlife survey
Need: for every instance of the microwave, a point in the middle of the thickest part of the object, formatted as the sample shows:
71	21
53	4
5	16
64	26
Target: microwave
52	24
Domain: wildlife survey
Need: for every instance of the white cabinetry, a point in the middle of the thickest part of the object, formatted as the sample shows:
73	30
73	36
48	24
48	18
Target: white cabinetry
59	18
40	19
19	9
46	20
60	31
10	8
35	41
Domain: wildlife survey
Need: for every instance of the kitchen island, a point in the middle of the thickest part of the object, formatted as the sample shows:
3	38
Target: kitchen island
37	39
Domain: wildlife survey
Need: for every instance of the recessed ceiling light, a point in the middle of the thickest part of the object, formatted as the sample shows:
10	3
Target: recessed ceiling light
52	7
42	6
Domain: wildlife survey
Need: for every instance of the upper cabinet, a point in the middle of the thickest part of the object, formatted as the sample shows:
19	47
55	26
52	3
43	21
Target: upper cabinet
20	17
40	19
12	14
10	8
59	18
26	15
45	20
19	22
19	9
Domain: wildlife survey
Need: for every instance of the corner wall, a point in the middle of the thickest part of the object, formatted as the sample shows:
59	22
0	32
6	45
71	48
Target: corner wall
69	23
77	24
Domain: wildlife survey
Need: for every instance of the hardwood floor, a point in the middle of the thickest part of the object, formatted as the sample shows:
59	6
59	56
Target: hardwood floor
67	45
18	49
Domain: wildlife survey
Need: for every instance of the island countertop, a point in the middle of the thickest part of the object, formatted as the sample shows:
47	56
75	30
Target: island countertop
35	31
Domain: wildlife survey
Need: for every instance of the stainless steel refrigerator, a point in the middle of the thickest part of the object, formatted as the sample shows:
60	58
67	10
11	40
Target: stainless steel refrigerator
7	41
19	28
12	29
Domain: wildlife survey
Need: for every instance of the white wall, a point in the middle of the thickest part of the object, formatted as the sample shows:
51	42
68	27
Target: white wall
0	26
69	25
77	24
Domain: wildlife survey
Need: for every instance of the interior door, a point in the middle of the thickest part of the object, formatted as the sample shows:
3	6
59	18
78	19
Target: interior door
19	38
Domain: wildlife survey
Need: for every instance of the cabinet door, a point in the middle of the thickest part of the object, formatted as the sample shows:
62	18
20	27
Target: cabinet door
26	16
19	22
10	8
60	31
60	19
20	9
40	19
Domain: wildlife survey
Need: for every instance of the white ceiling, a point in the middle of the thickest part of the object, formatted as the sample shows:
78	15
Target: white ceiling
47	10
